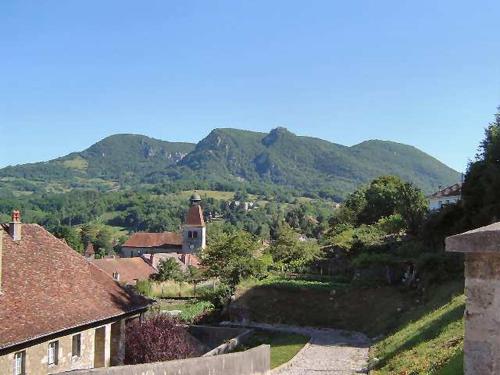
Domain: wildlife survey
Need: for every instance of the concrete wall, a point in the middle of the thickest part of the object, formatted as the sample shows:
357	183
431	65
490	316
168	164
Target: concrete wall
482	289
255	361
36	356
212	337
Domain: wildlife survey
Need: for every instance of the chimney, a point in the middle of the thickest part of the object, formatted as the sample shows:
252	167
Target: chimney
15	226
1	253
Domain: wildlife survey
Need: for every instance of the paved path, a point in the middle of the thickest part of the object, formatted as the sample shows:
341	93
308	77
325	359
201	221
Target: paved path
330	351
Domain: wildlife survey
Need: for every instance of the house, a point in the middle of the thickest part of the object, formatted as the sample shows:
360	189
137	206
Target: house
150	243
126	271
192	238
449	195
59	312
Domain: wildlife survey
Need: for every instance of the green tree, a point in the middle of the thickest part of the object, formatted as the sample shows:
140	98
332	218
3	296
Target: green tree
71	236
381	199
169	269
412	206
232	257
482	180
292	254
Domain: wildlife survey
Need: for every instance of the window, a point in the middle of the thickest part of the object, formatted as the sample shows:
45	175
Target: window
53	353
76	348
19	363
195	234
190	234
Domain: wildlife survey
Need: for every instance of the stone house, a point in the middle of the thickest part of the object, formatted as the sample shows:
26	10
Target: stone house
59	312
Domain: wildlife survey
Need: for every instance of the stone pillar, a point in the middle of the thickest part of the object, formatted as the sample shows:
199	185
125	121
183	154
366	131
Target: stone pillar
482	289
107	345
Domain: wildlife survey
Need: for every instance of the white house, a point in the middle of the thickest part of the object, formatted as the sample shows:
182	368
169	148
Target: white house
449	195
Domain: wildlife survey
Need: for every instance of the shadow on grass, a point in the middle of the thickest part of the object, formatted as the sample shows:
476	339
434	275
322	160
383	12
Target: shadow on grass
455	365
428	332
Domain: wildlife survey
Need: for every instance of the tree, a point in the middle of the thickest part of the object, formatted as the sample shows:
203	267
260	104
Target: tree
292	254
169	269
381	199
159	338
232	257
482	180
412	206
71	236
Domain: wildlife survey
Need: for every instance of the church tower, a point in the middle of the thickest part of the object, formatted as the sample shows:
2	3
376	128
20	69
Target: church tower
194	232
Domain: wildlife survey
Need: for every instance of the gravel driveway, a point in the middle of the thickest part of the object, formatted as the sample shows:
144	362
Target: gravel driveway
330	351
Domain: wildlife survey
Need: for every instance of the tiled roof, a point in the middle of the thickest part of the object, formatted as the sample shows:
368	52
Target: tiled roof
130	269
195	216
449	191
165	239
47	288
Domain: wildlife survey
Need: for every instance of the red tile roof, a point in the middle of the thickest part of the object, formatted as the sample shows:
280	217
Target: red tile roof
449	191
130	269
47	288
165	239
195	216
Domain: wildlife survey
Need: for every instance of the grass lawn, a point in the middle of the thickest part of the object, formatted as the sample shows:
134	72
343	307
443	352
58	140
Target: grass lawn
284	346
432	344
190	310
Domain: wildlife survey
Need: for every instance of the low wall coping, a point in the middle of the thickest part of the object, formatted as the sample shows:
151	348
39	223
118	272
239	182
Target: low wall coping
482	240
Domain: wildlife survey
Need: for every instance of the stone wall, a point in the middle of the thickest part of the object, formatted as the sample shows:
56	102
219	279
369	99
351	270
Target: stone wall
482	289
254	361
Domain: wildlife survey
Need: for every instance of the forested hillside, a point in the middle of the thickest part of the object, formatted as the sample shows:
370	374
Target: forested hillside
229	159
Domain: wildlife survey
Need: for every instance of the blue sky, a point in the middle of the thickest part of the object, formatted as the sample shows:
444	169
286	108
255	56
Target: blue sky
426	73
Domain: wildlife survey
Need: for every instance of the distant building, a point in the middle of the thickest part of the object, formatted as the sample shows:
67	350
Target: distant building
151	243
191	240
126	271
194	230
58	311
449	195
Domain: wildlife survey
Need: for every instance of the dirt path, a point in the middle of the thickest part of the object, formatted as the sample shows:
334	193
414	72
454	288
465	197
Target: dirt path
330	351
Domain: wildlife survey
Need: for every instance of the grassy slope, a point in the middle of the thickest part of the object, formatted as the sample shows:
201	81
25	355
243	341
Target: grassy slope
432	344
424	333
340	305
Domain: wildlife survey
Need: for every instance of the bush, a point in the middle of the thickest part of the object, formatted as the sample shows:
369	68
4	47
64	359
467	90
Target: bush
219	296
196	311
159	338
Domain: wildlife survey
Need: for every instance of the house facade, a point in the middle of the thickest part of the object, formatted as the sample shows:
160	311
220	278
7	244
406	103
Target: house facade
449	195
58	312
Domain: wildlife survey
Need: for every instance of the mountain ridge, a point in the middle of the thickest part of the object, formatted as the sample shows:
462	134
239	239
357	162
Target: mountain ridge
231	156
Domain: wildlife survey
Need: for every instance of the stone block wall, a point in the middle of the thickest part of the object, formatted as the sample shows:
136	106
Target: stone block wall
482	289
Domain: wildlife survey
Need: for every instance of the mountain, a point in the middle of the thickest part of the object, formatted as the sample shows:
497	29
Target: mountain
114	161
311	164
229	157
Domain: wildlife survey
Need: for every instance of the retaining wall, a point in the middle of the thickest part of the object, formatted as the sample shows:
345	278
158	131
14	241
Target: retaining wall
256	361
